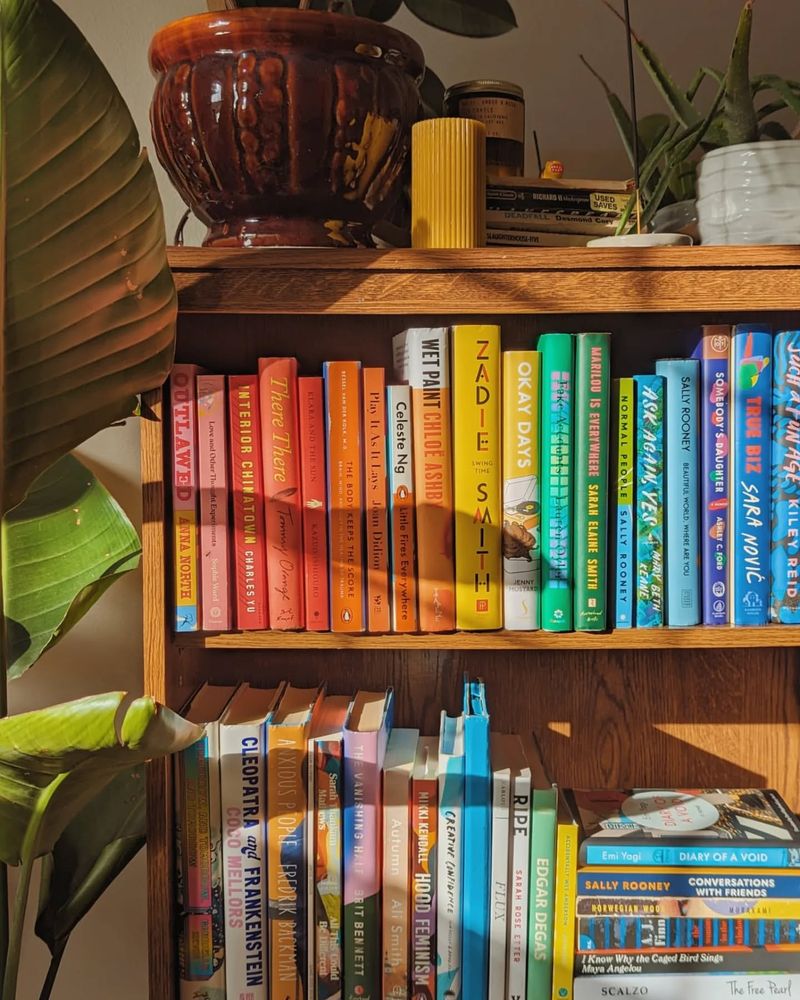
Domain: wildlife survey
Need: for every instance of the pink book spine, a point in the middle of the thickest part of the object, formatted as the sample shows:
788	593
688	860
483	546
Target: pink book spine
213	482
315	502
183	409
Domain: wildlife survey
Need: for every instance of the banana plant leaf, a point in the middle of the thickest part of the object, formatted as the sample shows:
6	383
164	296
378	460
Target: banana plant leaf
740	121
431	92
473	18
61	547
90	304
93	849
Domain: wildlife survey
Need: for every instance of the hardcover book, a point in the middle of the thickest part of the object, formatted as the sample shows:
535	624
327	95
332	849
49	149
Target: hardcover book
592	384
687	986
751	381
681	546
519	872
714	827
557	406
498	884
714	935
649	500
365	736
345	495
314	493
477	480
701	909
401	753
277	381
450	872
183	407
422	359
564	908
424	809
624	532
244	808
375	500
287	733
734	891
785	591
401	507
715	421
521	500
247	488
212	448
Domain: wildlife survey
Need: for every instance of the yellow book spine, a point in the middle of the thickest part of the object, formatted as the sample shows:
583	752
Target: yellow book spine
564	917
477	481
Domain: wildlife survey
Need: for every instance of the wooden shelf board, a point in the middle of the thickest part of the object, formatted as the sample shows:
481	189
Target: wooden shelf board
701	637
486	281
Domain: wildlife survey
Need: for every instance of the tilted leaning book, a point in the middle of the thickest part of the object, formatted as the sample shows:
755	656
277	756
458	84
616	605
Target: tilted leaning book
649	511
212	452
185	544
450	871
785	592
244	808
365	737
287	733
422	359
424	853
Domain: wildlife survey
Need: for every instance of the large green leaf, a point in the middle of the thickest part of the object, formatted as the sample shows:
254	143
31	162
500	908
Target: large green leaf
93	849
54	761
377	10
61	547
474	18
90	302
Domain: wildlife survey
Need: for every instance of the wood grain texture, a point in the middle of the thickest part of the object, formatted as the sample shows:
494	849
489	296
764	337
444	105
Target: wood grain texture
485	281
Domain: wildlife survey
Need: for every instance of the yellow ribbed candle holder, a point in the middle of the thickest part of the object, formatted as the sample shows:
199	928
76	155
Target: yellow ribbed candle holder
448	183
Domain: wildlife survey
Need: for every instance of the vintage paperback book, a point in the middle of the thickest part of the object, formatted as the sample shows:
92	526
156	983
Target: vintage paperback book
498	877
401	510
244	808
247	502
365	737
314	492
649	510
681	382
398	765
450	873
557	409
345	495
521	499
287	733
422	359
751	383
715	422
623	537
585	207
477	460
424	852
592	385
785	595
375	500
185	544
212	449
277	380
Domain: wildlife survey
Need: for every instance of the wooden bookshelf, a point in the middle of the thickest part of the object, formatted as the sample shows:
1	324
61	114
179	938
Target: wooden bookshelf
696	707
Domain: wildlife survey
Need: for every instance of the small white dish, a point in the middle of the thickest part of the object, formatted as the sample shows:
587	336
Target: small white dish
643	240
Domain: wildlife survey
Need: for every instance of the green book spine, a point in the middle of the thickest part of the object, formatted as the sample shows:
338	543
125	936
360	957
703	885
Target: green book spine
557	405
592	385
541	893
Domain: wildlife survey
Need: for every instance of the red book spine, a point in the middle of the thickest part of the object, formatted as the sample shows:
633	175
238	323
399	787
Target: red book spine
375	499
249	548
315	502
277	380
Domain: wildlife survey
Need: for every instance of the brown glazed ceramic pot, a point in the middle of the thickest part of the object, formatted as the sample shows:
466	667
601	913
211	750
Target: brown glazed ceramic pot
284	127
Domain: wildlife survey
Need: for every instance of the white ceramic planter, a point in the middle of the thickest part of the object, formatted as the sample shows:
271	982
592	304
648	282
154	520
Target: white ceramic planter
750	193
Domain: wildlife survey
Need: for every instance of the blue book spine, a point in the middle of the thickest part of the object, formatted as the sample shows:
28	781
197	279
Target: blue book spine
718	856
682	542
686	885
785	560
477	844
623	496
751	352
649	500
715	422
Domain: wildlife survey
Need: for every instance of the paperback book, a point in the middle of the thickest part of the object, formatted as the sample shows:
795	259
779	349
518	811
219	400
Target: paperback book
314	492
185	542
649	500
785	564
213	507
624	532
450	874
402	559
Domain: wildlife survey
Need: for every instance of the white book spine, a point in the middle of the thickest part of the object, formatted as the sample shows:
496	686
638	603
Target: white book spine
498	887
449	876
242	769
688	986
409	351
518	887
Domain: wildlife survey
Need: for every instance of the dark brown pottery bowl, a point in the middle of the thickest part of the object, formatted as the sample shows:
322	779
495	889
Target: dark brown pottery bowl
284	127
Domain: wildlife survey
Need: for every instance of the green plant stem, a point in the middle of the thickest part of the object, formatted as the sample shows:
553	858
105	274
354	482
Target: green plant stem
52	970
17	927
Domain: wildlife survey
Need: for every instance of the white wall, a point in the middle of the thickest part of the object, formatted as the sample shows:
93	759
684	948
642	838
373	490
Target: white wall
107	956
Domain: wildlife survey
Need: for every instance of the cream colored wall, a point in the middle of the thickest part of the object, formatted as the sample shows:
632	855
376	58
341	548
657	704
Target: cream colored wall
107	957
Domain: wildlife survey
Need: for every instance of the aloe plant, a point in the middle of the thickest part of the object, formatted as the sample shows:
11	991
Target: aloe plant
742	108
89	310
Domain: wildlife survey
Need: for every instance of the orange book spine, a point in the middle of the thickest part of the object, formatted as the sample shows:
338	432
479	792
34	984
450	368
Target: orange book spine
315	502
375	499
277	380
345	495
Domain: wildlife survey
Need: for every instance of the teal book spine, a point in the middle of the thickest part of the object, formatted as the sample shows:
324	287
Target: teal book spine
556	423
649	500
623	543
592	384
541	897
682	507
